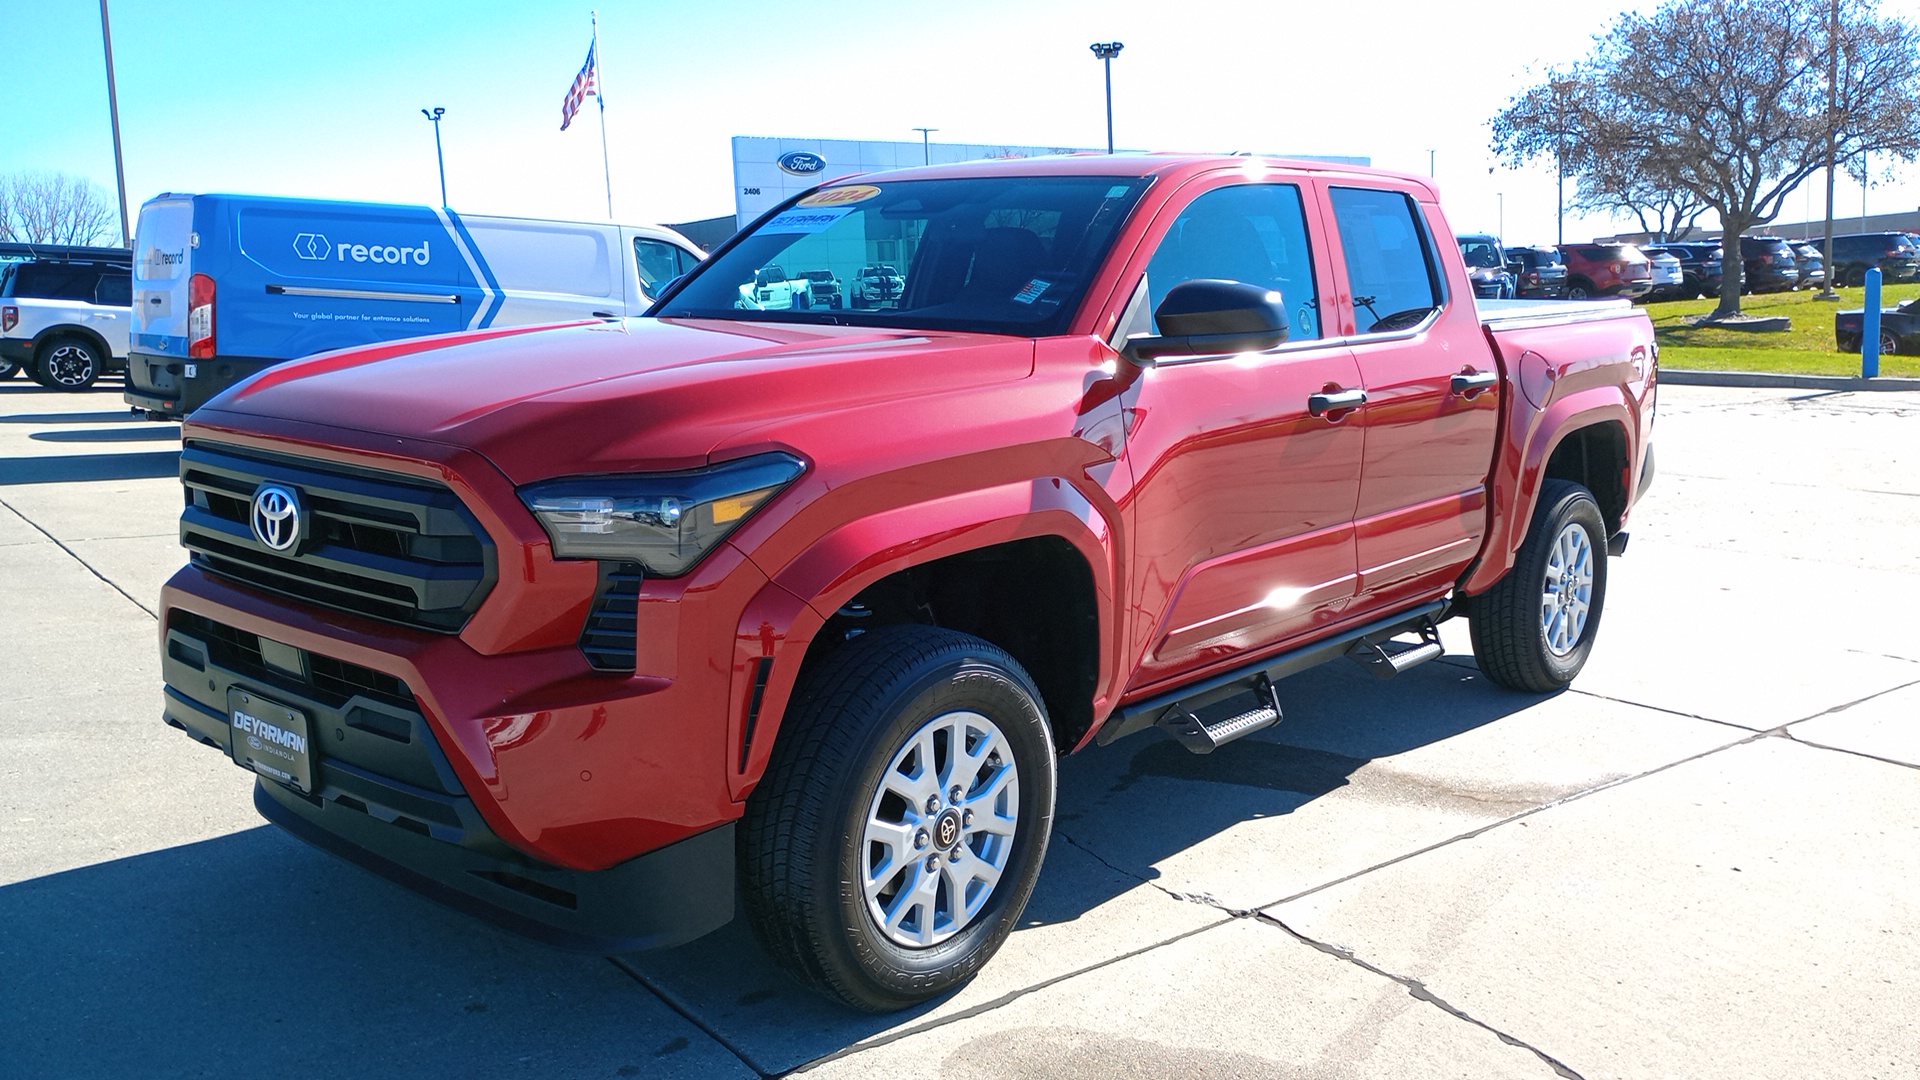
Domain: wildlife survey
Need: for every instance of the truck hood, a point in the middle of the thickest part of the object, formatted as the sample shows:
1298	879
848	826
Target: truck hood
610	397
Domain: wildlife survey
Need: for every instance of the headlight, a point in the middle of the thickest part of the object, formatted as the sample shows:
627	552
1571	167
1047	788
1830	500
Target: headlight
664	521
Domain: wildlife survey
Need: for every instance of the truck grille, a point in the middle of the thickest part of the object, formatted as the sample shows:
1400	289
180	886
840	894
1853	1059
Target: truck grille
395	548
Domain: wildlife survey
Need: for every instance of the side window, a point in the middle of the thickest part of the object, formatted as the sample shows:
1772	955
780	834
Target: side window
659	262
1390	263
1256	233
114	289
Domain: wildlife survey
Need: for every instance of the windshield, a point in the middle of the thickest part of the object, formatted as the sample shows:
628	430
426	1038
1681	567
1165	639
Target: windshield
1004	254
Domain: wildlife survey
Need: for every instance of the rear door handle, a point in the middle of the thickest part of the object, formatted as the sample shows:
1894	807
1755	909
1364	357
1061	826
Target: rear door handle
1472	382
1322	404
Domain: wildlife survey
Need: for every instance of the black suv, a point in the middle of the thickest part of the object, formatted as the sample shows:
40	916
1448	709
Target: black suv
1856	253
1700	267
1538	273
1487	267
1769	265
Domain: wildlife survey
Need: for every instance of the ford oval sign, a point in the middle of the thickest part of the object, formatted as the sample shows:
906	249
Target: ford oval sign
801	163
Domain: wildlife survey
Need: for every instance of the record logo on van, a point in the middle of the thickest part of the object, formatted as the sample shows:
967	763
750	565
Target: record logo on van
801	163
314	247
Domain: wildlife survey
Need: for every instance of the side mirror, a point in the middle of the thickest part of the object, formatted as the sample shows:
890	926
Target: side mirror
1209	316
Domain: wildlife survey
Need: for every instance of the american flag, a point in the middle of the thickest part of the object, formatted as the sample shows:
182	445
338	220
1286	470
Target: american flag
582	87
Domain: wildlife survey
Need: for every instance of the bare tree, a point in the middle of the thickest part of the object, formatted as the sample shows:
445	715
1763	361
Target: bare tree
55	208
1725	101
1665	210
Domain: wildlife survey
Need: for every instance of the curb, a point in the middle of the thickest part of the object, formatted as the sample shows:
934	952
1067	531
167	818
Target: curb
1759	379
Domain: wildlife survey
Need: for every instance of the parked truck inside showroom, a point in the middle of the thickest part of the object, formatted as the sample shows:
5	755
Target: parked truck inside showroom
585	629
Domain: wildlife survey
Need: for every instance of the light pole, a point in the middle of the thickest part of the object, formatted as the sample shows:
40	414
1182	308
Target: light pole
113	108
435	115
926	149
1429	164
1106	51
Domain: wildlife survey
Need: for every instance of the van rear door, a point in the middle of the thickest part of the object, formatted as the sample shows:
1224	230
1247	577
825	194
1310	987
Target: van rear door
161	244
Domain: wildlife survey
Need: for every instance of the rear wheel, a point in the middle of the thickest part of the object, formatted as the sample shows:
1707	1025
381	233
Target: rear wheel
67	364
1534	628
1579	289
8	369
901	825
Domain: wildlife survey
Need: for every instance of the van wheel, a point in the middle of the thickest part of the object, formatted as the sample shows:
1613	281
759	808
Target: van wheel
1534	628
67	364
901	825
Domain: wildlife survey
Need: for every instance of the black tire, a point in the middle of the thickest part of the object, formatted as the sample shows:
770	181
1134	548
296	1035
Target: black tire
1889	343
1579	289
1855	278
8	369
69	363
1510	639
804	852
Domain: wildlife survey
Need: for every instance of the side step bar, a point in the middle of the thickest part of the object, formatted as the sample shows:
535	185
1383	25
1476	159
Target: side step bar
1201	737
1175	706
1373	655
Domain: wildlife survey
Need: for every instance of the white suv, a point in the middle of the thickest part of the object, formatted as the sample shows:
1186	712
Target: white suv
64	320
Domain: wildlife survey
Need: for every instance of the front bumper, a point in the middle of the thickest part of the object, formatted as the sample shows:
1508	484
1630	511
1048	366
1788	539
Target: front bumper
386	797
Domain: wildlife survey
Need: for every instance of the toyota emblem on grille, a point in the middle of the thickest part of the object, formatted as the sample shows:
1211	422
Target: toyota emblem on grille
276	517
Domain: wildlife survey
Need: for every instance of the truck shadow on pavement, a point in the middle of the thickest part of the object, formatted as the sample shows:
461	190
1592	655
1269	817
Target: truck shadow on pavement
252	955
146	432
213	958
136	465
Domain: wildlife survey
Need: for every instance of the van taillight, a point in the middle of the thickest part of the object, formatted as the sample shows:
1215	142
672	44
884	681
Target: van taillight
200	343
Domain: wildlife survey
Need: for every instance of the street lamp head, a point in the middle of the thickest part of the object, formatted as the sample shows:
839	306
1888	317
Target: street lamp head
1106	50
433	115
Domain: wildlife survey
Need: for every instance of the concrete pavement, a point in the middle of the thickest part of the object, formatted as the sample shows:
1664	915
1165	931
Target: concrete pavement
1696	863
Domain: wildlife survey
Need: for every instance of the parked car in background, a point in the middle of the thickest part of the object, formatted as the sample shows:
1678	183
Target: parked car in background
1538	273
1487	266
1769	265
1668	279
1899	329
1813	267
826	288
1606	269
64	314
878	285
1896	254
1700	267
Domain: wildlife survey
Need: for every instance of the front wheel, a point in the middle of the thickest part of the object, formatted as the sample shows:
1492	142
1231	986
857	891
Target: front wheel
1534	629
901	825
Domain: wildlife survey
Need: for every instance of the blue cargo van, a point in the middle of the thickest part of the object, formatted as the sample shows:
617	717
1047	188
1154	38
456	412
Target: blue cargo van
225	285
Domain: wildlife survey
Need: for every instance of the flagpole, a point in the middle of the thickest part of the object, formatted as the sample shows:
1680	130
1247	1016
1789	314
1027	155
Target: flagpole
600	77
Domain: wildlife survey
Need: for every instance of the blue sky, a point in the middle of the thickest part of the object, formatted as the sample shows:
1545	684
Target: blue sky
322	98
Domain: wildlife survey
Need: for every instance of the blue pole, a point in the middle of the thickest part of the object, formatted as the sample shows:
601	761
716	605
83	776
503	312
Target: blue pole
1870	328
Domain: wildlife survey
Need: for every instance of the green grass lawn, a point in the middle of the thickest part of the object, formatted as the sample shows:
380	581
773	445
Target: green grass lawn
1807	349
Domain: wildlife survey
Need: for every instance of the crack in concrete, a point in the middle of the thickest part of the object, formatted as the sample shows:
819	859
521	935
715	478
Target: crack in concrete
57	542
1202	899
1419	992
690	1016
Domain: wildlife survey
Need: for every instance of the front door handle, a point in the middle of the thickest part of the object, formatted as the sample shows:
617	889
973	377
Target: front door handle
1470	383
1340	401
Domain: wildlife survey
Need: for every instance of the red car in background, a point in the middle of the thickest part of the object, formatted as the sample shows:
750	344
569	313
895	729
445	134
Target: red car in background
1606	270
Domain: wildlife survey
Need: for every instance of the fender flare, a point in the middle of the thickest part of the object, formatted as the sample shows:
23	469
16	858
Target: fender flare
779	624
1519	487
108	361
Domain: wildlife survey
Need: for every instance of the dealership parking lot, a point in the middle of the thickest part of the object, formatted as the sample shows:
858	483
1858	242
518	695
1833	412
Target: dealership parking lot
1698	862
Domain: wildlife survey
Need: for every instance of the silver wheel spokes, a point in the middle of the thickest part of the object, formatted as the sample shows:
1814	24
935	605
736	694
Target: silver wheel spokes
1566	595
68	365
955	781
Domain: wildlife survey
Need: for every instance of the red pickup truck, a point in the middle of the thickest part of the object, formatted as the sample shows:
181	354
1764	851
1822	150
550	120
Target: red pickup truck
587	628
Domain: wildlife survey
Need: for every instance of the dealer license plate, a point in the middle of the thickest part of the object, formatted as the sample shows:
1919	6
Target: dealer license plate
270	739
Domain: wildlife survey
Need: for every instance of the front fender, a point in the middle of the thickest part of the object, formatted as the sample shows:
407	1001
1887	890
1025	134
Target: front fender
776	628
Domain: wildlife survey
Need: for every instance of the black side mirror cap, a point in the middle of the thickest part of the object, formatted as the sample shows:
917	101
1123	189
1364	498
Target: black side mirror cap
1210	316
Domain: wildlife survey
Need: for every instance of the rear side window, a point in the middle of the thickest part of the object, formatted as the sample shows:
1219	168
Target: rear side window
1390	261
115	289
1256	233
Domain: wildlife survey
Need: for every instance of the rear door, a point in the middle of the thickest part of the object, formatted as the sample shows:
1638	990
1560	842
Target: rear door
161	246
1422	509
1243	503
